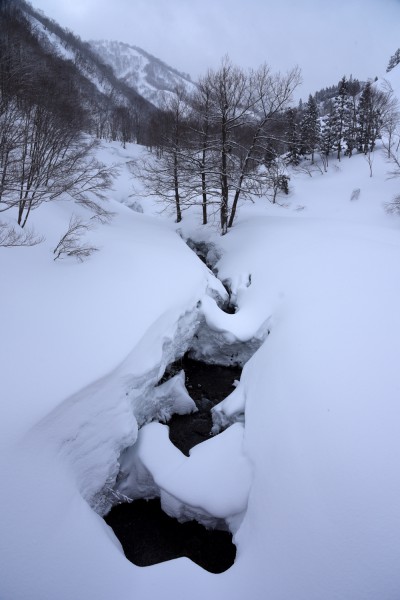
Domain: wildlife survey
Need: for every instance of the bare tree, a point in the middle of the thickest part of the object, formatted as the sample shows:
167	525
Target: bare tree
277	179
369	157
271	93
390	117
44	159
165	175
10	143
70	243
213	146
202	154
241	108
393	207
394	159
11	236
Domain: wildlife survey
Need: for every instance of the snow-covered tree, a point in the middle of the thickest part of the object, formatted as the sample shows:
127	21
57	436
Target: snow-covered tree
393	61
327	139
369	119
341	118
310	128
350	133
293	138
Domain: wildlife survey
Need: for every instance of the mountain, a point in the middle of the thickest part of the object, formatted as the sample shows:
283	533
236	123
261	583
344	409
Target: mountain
38	55
117	88
138	69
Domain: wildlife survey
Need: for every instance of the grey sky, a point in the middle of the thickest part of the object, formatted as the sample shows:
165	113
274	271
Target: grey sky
327	39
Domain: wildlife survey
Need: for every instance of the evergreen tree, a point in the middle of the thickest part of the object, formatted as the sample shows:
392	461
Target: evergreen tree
394	61
327	139
350	134
342	116
293	138
310	128
369	120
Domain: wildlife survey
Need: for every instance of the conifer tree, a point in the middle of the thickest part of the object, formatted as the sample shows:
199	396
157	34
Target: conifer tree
310	128
327	139
394	61
350	134
341	117
369	120
293	138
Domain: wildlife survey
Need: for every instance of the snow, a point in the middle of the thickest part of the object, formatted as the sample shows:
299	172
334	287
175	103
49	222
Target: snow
209	486
153	79
325	389
66	51
227	339
306	473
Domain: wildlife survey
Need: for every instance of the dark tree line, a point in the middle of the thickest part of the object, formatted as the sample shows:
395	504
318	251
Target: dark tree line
356	117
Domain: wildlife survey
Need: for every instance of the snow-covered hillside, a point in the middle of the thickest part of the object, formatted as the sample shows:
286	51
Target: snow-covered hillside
97	87
306	474
68	52
148	75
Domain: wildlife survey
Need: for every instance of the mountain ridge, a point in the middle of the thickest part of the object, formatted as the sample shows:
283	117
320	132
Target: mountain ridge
150	76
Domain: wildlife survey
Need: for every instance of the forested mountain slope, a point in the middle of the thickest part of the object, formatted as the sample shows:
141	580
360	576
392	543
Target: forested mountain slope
37	55
151	77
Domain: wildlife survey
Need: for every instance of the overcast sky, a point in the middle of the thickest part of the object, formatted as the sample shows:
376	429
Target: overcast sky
325	38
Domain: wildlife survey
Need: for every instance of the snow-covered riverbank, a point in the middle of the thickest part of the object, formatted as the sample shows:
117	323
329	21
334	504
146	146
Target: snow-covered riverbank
83	345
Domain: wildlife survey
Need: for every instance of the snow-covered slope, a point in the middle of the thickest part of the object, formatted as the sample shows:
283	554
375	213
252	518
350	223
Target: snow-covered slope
148	75
393	79
95	81
83	344
321	395
68	51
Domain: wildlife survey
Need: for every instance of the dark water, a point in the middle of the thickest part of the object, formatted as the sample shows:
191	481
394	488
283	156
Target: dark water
207	386
149	536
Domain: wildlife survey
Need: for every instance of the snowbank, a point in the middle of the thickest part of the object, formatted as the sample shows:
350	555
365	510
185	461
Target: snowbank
211	486
83	345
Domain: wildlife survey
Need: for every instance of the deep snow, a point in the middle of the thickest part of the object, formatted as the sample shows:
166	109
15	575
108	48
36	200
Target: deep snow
83	345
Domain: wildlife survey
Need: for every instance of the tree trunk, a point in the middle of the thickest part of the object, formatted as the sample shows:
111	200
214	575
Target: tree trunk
176	190
224	180
243	172
204	195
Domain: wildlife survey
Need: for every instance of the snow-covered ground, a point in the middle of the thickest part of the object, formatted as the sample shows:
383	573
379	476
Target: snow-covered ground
83	345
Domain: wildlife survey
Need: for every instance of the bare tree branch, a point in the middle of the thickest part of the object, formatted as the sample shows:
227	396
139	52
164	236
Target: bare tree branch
70	243
11	237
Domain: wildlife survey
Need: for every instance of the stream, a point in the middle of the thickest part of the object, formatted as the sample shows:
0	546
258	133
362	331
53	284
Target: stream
207	385
147	534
